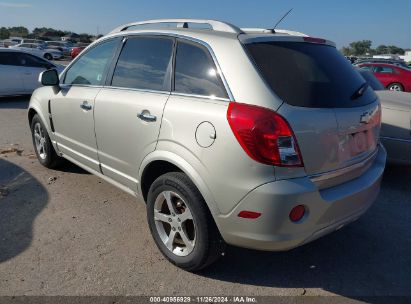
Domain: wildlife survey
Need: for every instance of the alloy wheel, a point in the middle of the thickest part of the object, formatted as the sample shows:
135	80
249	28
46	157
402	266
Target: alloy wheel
40	140
174	223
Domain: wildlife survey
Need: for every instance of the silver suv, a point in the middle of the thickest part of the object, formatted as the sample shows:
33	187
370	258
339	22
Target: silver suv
265	139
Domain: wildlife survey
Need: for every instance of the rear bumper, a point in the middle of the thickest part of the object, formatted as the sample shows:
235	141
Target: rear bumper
328	210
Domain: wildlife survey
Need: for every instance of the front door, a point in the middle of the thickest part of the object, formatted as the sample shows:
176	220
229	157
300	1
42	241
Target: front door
72	108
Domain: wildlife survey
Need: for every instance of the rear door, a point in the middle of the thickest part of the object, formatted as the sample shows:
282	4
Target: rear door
72	107
11	81
332	112
129	111
386	74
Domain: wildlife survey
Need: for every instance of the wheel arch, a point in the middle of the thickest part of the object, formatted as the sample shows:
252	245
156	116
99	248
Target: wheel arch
167	162
30	114
396	82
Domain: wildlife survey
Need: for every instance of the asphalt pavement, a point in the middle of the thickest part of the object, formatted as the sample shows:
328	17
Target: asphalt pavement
67	232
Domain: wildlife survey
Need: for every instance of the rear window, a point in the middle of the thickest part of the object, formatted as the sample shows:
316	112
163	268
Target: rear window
309	75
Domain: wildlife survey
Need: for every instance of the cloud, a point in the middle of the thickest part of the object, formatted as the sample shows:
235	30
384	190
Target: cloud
15	5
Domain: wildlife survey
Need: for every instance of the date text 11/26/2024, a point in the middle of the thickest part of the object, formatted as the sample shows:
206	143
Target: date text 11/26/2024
204	299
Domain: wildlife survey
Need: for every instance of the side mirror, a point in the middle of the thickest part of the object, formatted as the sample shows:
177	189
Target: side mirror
49	78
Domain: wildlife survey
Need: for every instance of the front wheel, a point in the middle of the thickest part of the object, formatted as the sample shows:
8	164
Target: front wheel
48	56
181	224
42	144
396	87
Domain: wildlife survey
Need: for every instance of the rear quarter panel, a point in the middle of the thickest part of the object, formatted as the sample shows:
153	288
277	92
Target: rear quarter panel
226	171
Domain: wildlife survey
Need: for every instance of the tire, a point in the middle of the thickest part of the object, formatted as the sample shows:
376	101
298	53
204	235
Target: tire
396	87
43	148
48	56
201	233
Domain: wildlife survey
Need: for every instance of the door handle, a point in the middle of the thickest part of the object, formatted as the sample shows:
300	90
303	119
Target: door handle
85	106
146	116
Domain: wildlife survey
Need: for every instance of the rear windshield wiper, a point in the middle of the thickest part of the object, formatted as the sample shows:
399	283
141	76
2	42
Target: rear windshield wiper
360	91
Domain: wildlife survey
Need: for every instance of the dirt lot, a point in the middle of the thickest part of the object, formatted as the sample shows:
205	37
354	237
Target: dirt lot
67	232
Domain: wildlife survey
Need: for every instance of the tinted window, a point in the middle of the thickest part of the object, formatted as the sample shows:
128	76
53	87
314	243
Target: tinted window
309	75
144	63
32	61
90	68
9	58
383	69
195	72
372	80
366	67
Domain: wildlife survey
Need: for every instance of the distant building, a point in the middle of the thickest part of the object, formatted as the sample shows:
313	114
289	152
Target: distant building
387	56
407	56
49	36
71	37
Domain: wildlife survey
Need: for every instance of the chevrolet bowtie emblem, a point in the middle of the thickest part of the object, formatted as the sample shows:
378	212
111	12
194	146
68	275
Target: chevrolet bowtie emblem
366	117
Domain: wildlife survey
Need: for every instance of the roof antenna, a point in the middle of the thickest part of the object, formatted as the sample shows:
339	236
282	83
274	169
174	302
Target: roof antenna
279	21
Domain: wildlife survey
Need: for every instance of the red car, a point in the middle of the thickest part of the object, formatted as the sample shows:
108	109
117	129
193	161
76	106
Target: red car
76	50
391	76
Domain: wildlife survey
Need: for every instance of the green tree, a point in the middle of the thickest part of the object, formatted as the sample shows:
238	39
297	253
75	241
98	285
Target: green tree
362	47
381	49
346	51
395	50
4	33
19	31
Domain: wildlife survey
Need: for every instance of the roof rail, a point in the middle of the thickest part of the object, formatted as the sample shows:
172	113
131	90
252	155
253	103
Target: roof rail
183	23
271	31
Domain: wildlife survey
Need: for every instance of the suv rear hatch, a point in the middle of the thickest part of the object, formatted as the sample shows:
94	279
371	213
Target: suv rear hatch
335	116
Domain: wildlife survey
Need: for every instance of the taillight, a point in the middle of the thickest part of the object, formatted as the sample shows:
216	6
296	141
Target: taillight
264	135
314	40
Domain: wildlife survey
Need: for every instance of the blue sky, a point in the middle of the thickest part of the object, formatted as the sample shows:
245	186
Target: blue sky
382	21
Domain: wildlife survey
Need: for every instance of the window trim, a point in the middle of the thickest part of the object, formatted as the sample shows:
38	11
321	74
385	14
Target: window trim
122	36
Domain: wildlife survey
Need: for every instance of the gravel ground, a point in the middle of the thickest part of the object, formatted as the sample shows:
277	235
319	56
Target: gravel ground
67	232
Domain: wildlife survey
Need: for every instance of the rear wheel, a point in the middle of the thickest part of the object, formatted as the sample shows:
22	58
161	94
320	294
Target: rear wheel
42	144
396	87
48	56
181	224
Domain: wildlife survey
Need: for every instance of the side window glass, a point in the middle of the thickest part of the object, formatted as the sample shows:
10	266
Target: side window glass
144	63
9	58
31	61
196	73
90	68
366	68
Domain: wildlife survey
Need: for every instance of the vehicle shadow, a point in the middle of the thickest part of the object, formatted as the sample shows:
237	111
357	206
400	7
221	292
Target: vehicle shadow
17	102
367	258
69	167
22	198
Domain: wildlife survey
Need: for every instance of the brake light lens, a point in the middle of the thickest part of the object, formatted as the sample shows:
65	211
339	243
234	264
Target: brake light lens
264	135
314	40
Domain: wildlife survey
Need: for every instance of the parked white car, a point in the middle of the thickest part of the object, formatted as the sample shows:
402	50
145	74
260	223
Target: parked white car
19	71
39	50
63	46
396	118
